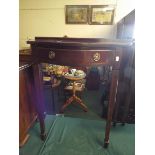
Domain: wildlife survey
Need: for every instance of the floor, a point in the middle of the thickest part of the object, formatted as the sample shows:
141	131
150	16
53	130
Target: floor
77	132
76	136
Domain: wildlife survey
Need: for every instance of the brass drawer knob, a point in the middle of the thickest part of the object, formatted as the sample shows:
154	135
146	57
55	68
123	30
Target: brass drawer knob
51	55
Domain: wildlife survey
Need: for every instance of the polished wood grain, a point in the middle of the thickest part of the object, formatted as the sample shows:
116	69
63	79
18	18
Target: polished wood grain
79	52
73	57
27	112
25	55
112	100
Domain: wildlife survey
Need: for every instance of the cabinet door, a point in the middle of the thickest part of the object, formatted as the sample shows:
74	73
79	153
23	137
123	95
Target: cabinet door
27	113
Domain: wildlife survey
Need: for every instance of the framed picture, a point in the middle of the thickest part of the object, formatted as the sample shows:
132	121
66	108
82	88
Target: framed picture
77	14
101	15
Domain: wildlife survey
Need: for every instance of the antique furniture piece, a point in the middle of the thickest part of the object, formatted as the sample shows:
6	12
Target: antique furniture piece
27	112
125	107
78	52
74	97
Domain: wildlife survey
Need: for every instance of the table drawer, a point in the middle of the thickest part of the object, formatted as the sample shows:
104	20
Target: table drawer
73	57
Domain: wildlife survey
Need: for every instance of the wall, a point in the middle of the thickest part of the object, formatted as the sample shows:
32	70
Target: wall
47	18
124	7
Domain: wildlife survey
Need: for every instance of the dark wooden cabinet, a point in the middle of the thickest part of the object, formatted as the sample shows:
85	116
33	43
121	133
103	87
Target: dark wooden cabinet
125	27
27	112
125	107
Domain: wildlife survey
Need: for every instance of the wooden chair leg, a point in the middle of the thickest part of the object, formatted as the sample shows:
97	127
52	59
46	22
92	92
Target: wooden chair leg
68	102
81	104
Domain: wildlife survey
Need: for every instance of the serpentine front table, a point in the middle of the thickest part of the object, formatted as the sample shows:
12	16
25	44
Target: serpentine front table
78	52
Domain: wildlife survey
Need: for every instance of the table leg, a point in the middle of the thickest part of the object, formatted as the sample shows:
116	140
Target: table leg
39	104
112	98
42	128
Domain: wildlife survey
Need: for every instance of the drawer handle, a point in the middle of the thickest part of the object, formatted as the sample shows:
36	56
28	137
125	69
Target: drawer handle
51	55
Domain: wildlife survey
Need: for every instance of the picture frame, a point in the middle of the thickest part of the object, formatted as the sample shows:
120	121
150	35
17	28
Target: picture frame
76	14
101	14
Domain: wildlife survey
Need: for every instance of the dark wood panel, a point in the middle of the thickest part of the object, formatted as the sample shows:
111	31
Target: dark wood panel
125	95
74	57
125	27
27	112
25	58
25	55
78	43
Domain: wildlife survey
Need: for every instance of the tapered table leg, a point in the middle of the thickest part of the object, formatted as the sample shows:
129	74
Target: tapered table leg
42	128
39	104
112	98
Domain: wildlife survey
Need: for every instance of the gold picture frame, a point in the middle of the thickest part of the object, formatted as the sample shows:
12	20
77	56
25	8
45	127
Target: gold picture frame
77	14
101	14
